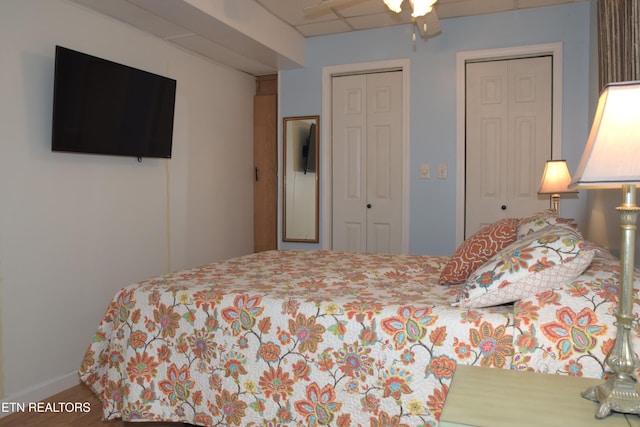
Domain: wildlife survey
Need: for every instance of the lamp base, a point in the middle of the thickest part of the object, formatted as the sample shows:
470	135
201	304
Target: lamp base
555	199
617	394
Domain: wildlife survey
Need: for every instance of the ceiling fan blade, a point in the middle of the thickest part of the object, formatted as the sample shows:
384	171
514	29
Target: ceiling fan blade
432	24
324	6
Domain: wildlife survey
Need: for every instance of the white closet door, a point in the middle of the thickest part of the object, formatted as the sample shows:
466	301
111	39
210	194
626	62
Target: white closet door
367	162
508	138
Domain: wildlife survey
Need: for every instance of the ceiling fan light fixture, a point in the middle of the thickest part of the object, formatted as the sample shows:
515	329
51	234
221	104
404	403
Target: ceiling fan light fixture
421	7
394	5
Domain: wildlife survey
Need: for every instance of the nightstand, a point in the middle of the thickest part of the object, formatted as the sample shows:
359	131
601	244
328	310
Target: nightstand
491	397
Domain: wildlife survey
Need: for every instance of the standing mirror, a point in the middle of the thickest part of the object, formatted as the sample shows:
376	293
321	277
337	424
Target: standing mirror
300	180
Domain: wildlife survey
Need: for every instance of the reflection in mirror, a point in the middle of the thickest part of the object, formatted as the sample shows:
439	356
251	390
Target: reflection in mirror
300	193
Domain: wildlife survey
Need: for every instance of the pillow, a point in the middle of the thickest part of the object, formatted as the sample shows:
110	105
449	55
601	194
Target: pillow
543	260
477	249
541	220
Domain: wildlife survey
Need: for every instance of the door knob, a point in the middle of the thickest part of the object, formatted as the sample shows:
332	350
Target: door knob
368	205
503	207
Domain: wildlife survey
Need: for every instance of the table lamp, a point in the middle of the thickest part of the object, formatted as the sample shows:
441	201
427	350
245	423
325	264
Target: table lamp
555	181
611	159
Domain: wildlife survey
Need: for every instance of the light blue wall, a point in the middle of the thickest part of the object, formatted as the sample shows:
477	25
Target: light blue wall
433	97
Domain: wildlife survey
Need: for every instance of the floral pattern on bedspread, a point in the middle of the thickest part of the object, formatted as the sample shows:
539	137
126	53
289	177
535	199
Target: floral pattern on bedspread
570	330
292	338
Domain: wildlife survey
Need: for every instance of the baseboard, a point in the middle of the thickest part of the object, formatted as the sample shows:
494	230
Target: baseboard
40	392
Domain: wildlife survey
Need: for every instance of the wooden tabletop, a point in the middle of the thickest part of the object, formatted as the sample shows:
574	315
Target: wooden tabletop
505	398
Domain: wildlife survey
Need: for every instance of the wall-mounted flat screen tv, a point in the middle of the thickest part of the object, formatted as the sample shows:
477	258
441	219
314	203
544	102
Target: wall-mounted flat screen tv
103	107
309	151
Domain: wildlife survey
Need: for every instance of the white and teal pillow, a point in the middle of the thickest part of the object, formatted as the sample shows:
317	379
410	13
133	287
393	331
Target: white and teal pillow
549	258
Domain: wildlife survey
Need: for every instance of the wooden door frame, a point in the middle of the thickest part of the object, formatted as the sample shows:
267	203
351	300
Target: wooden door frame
462	58
265	159
326	182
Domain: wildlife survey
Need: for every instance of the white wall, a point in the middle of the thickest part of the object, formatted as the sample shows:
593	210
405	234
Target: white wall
76	228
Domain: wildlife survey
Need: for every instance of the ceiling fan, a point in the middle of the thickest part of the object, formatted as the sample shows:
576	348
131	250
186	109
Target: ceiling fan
423	14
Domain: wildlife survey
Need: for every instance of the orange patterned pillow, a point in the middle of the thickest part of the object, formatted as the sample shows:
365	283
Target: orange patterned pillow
477	249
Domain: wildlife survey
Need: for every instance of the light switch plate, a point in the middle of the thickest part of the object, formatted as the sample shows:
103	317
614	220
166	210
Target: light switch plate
425	172
442	171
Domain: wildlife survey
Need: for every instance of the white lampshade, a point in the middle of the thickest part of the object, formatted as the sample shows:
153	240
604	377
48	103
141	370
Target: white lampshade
555	178
612	155
394	5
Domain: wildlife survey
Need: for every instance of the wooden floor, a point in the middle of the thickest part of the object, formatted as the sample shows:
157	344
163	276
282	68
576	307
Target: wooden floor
93	418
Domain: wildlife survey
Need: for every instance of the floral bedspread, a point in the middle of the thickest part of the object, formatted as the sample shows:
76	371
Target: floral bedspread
300	338
571	330
310	338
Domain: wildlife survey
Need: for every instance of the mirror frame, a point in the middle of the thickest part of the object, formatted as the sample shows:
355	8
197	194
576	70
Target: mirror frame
288	168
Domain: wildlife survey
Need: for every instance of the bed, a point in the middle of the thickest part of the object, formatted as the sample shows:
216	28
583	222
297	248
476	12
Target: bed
311	338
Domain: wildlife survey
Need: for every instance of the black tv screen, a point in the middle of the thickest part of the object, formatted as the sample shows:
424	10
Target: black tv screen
103	107
309	151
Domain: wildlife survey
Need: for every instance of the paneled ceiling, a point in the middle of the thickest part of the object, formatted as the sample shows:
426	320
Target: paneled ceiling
263	36
364	14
